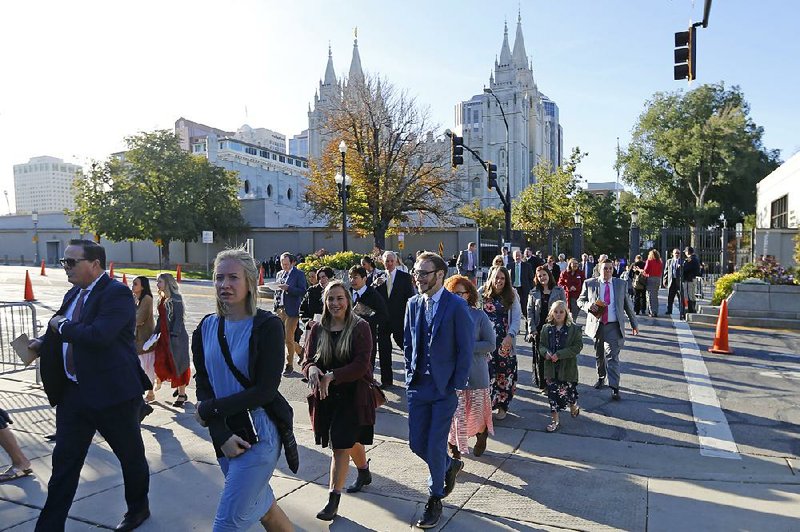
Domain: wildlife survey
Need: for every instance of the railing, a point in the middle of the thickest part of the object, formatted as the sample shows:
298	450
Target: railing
16	319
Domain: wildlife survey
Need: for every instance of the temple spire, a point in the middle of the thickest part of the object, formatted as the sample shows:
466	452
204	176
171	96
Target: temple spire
330	74
356	74
520	56
505	51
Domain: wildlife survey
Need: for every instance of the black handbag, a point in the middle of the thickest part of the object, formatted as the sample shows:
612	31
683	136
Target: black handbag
278	410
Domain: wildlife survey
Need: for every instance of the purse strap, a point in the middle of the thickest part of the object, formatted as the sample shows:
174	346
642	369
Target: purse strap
226	354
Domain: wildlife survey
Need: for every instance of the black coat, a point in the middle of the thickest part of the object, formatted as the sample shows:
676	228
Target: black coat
402	291
312	302
526	270
371	299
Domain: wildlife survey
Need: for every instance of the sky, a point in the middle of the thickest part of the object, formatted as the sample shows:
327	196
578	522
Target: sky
77	77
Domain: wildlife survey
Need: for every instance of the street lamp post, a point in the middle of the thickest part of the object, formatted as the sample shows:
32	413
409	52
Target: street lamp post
577	237
507	202
343	185
35	218
634	235
723	267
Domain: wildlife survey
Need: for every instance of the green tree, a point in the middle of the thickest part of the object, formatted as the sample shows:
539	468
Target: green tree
399	173
549	202
484	217
157	191
605	227
694	155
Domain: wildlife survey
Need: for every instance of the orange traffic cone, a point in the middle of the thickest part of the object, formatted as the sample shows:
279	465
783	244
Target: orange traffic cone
261	276
43	272
178	273
721	336
28	288
111	270
124	279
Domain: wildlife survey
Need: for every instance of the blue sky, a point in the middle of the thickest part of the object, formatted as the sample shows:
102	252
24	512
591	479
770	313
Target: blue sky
79	76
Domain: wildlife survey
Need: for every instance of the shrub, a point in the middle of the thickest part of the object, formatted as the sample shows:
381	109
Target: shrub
766	269
338	261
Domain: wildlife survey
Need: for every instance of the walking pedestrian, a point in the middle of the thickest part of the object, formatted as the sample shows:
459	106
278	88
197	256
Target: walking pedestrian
545	292
605	301
20	464
671	278
653	270
438	347
291	288
91	373
342	404
238	355
501	304
560	343
571	280
172	348
145	325
473	415
639	286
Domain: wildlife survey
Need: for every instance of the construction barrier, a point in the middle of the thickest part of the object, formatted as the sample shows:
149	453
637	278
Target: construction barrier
721	336
16	319
43	273
178	273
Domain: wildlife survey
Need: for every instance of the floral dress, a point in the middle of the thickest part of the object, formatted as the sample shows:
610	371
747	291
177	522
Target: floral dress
560	393
503	369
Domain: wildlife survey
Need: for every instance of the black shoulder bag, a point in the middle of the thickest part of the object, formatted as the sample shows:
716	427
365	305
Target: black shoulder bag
279	410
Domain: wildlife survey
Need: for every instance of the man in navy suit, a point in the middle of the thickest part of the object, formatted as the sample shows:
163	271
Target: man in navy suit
291	289
438	343
91	373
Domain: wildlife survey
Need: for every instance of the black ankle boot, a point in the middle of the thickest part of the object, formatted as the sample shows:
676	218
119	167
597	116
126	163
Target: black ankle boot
364	478
330	510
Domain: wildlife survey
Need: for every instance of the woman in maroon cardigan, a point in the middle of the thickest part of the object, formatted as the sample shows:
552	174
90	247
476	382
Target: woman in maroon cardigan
341	403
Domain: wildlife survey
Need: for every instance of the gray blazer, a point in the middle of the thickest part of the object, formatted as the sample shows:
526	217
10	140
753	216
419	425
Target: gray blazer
535	305
484	345
591	293
178	337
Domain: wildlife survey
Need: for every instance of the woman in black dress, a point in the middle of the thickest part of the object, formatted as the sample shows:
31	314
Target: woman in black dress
341	402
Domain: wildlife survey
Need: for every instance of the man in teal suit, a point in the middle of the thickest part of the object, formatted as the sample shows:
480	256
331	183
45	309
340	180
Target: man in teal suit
438	345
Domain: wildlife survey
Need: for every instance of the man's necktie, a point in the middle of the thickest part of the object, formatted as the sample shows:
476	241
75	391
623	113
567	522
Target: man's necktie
355	297
607	299
388	283
518	275
76	315
429	310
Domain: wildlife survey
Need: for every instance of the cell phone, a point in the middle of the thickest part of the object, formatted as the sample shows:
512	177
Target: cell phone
242	425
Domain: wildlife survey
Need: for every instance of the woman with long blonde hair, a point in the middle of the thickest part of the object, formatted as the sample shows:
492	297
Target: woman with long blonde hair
342	405
560	342
172	348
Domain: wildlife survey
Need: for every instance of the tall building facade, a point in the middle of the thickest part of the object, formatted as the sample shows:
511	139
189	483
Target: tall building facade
534	134
45	184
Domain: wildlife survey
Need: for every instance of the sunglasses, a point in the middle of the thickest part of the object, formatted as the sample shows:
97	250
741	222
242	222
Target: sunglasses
69	263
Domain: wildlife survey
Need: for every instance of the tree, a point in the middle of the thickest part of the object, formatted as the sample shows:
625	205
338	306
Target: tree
551	201
694	155
605	226
157	191
484	217
398	171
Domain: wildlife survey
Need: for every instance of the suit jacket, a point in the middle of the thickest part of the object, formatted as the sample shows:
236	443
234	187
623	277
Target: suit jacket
591	293
103	345
452	341
526	281
507	260
294	295
402	291
371	299
588	269
462	262
691	268
668	277
535	261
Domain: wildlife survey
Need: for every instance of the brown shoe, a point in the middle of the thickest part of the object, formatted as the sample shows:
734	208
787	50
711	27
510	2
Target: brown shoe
480	445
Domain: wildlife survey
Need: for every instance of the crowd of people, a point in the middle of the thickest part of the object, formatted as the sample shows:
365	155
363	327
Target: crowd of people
459	344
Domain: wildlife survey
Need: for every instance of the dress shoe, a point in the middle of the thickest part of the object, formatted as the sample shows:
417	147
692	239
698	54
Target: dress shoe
599	384
331	509
288	370
433	512
133	521
480	445
456	466
364	478
615	394
454	452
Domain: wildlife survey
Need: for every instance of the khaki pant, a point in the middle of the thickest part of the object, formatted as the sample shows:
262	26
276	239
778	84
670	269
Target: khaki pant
289	326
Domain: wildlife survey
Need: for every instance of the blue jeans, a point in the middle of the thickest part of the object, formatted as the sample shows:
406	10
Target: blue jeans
247	495
429	417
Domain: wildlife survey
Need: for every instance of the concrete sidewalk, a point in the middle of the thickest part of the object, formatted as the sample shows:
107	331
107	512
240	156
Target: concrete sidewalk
611	468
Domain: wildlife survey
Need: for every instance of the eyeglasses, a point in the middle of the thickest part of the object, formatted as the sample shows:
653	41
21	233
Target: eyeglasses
608	268
460	293
422	273
69	263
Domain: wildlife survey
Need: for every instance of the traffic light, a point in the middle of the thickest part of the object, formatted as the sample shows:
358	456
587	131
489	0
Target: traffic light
456	150
491	171
686	54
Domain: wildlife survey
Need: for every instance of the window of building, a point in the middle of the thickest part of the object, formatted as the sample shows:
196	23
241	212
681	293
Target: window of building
264	154
779	218
246	186
281	158
251	151
289	194
476	187
269	191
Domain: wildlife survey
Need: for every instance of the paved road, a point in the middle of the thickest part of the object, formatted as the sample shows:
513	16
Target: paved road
699	441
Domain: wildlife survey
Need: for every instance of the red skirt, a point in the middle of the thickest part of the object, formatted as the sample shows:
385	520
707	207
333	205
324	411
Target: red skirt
165	363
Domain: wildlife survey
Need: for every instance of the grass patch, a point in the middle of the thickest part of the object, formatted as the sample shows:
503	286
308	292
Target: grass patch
153	273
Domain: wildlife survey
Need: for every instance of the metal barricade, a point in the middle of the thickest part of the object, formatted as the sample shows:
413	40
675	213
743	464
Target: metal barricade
16	319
